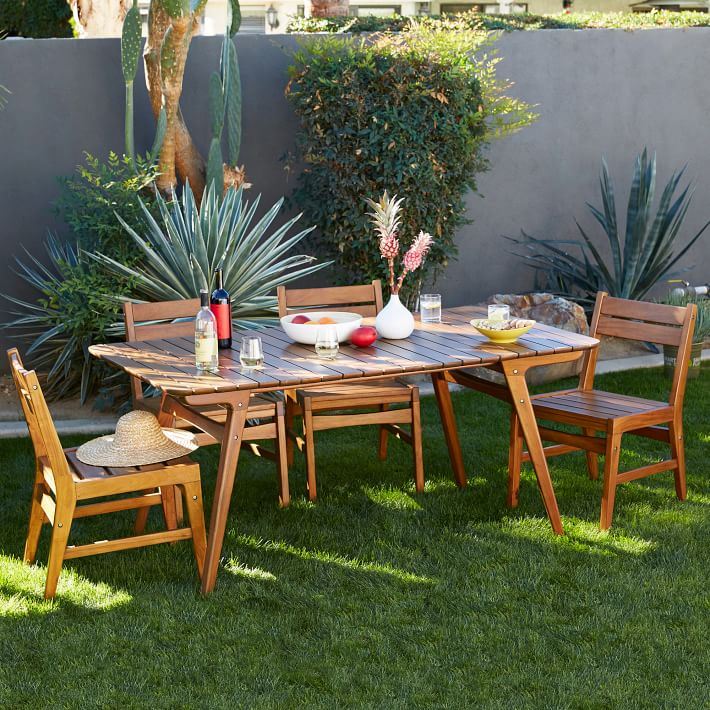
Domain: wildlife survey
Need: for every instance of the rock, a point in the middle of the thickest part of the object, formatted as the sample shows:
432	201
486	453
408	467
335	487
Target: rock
550	310
546	308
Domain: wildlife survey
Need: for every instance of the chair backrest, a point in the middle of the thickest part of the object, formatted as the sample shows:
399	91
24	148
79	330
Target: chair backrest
152	321
365	300
39	420
646	322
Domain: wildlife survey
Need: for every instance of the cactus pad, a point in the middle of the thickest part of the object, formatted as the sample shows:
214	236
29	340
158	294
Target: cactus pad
131	43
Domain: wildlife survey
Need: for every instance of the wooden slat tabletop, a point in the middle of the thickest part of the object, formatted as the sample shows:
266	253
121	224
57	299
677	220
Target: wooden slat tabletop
451	344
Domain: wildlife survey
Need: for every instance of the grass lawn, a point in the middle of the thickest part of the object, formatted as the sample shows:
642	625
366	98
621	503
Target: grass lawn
377	597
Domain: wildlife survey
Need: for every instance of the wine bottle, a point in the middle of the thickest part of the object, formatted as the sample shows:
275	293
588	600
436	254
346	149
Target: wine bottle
221	306
205	336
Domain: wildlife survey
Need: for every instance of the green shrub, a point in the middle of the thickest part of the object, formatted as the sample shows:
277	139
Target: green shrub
407	113
75	306
508	23
97	191
36	18
77	300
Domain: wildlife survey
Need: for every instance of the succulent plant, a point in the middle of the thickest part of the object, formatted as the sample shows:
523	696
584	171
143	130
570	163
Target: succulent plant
130	53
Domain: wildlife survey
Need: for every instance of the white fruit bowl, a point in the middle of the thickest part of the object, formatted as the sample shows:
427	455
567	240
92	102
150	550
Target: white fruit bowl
345	324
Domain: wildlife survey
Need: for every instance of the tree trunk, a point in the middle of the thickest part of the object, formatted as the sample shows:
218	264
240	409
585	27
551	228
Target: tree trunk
330	8
178	154
99	18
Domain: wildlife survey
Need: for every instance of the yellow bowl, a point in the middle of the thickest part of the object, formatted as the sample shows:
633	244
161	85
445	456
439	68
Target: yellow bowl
500	336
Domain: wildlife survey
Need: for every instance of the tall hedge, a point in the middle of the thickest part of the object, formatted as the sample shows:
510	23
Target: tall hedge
408	113
35	18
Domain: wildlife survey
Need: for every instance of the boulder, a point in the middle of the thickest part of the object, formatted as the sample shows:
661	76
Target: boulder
551	310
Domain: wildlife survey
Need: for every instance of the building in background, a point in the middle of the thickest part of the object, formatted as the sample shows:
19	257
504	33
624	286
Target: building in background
273	17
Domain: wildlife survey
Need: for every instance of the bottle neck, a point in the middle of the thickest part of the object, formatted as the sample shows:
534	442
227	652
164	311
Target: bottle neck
220	280
204	299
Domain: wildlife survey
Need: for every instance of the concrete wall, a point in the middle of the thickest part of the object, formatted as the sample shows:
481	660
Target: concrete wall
598	92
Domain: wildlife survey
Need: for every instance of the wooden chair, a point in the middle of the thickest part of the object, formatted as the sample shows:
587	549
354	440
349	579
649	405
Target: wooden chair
317	405
613	414
63	484
175	319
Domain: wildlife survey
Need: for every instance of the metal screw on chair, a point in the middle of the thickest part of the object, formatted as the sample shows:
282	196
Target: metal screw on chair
194	497
60	525
515	372
522	401
34	387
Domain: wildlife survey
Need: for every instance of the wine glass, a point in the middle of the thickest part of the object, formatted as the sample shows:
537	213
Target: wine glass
327	342
251	354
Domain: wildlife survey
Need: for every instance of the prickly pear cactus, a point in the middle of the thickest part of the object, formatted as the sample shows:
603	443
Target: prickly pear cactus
233	106
236	22
131	43
216	105
176	8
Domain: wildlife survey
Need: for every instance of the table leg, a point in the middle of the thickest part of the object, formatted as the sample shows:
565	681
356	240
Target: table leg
514	371
448	422
237	406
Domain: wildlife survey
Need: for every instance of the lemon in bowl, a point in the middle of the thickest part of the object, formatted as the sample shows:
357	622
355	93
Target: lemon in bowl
502	331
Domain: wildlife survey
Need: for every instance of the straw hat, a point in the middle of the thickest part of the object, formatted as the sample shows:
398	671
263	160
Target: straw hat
139	440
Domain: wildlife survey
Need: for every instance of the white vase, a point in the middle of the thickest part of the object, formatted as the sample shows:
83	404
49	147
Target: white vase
394	321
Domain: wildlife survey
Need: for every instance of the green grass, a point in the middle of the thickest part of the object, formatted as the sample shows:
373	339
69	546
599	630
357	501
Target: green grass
377	597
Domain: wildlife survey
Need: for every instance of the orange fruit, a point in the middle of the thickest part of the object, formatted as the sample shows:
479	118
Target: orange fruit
312	322
326	321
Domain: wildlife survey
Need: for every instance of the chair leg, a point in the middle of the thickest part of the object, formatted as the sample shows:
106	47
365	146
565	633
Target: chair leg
179	513
310	451
167	494
382	451
592	458
282	458
675	431
36	520
63	516
196	516
515	453
290	408
417	443
142	514
611	470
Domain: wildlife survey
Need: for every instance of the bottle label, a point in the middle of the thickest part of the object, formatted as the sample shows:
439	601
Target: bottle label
205	349
223	315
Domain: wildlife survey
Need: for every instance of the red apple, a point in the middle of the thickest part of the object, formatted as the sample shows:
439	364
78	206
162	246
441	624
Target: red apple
300	319
363	336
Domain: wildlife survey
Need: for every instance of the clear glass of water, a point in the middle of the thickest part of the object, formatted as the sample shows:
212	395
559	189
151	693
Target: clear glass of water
327	342
498	312
251	354
430	307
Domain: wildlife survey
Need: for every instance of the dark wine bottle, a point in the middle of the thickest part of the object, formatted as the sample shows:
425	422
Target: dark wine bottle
221	306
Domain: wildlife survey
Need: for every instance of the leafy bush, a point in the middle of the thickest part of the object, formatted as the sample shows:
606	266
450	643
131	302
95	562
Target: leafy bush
702	321
93	196
77	301
182	249
408	113
75	308
508	23
647	255
36	18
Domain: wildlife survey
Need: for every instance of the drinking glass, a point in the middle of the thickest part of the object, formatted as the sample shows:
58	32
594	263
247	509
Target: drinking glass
251	353
430	307
327	342
498	312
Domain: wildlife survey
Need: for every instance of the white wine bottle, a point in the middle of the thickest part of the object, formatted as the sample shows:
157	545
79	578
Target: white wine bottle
205	336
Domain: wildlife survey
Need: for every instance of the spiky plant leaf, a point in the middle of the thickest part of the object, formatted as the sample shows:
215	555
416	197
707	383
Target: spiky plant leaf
183	249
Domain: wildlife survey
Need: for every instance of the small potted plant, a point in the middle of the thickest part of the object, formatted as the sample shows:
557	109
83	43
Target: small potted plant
394	320
700	334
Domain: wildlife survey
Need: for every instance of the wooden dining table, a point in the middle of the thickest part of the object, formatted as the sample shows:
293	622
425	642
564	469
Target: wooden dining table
437	350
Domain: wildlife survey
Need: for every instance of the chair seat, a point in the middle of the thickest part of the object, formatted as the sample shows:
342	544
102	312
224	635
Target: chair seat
344	394
598	407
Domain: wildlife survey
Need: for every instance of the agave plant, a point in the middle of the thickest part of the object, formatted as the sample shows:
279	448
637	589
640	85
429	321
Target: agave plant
183	248
75	308
647	255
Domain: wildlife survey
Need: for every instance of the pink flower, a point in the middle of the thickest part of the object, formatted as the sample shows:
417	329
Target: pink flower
414	257
389	246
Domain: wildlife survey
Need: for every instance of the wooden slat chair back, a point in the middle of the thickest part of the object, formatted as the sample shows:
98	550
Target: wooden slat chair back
613	414
365	300
175	319
63	484
153	321
322	406
641	321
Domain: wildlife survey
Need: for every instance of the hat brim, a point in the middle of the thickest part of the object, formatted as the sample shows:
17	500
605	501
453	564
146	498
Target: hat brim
103	452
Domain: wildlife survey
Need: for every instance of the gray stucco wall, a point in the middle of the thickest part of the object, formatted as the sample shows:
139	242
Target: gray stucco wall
598	92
